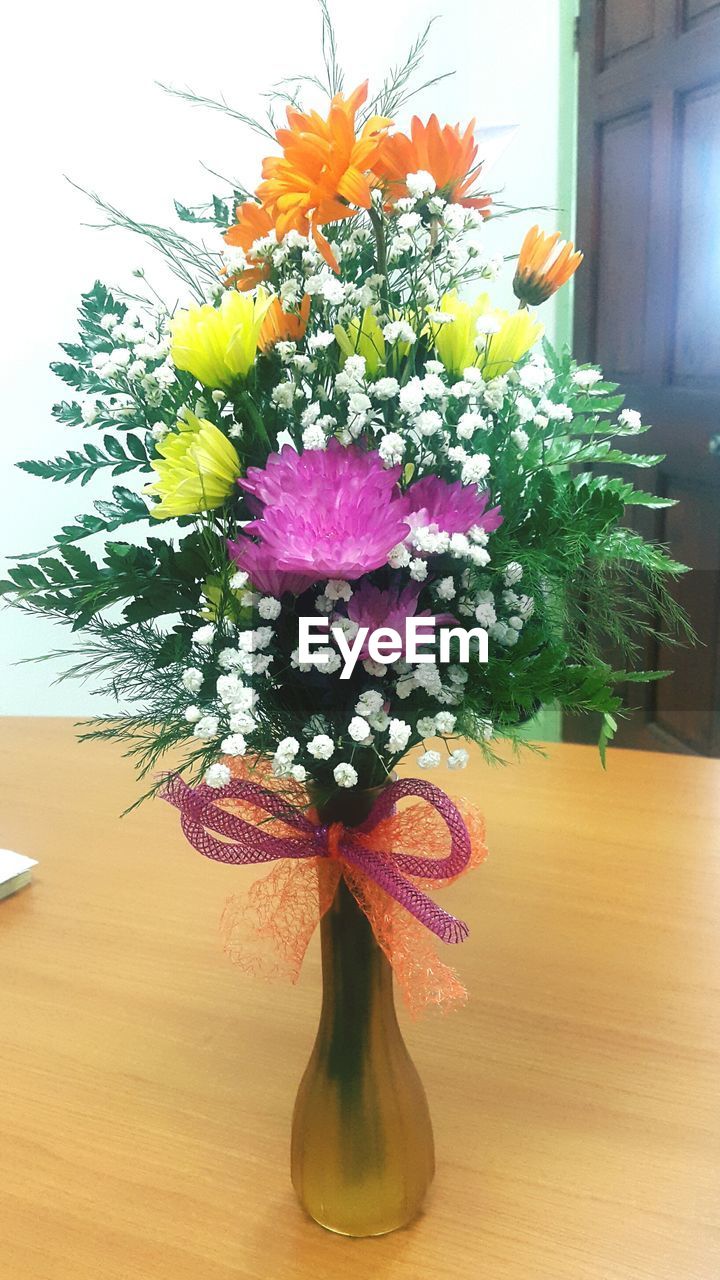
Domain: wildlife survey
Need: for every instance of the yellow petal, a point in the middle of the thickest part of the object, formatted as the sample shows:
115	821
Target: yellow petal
196	471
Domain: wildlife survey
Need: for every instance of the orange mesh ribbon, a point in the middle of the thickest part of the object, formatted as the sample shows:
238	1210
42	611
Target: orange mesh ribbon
389	862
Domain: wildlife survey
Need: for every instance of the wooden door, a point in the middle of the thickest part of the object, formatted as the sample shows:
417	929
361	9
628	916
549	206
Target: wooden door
648	303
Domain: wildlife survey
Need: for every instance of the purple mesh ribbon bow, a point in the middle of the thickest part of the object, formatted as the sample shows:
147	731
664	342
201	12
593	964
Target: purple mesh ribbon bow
200	813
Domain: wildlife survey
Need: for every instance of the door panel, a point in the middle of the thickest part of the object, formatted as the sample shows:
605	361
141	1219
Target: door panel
624	185
695	11
697	328
623	26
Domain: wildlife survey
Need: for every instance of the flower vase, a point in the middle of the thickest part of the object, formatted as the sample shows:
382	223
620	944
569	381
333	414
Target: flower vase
362	1142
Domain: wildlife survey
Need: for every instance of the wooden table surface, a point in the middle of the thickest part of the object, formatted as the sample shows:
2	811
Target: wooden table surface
146	1086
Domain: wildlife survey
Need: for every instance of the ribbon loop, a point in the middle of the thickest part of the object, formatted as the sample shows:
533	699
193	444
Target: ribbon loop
460	848
222	835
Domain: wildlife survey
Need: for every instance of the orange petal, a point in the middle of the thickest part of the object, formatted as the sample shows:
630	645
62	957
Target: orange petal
355	187
358	97
325	250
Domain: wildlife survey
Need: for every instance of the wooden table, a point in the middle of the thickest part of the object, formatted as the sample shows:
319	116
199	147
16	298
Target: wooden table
146	1086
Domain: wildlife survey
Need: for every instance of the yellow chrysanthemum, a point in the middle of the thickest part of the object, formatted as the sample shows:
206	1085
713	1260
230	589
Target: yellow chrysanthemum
518	332
197	471
362	337
463	341
218	345
456	339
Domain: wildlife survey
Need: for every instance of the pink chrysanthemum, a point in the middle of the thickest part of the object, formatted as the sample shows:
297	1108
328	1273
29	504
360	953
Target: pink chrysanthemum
264	575
451	506
332	513
372	607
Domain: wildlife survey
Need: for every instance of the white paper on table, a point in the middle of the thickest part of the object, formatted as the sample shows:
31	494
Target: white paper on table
14	864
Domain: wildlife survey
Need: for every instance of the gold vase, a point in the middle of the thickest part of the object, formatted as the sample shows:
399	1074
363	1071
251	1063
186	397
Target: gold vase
362	1144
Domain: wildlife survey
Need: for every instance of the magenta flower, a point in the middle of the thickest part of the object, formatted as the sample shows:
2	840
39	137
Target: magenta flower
451	506
333	513
264	575
372	607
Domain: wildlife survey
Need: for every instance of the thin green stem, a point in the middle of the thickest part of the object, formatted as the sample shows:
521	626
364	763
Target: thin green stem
378	227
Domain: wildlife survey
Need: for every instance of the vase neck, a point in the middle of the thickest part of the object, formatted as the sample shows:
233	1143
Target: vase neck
357	977
358	1006
350	807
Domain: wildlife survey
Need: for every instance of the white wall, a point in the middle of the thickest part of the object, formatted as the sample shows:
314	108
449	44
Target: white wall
81	101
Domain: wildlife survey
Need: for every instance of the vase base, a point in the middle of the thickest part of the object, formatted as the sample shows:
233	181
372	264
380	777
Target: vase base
359	1234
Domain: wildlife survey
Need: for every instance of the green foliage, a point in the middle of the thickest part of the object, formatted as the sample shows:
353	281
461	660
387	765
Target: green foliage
82	464
398	88
219	104
68	413
126	507
139	666
219	213
628	495
193	265
153	580
608	730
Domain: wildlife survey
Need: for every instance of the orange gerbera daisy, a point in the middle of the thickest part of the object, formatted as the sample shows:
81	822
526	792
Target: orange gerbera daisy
323	174
545	264
280	325
252	223
444	152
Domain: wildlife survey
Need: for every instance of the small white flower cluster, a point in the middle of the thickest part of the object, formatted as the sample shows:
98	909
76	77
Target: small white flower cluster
630	421
457	759
503	616
437	418
139	354
297	265
587	378
443	724
317	426
136	371
399	331
371	706
320	747
351	390
429	540
326	285
408	233
442	684
226	716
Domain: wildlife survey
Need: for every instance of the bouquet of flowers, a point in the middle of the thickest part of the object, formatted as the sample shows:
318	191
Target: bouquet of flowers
337	423
371	513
